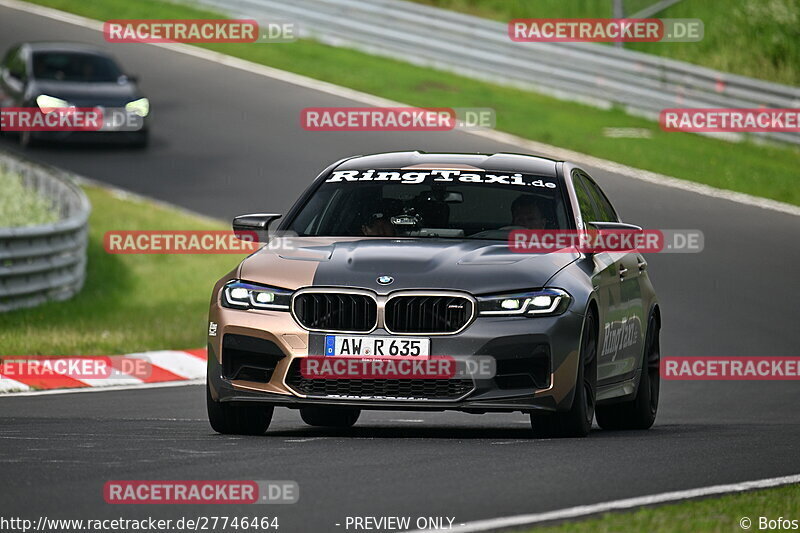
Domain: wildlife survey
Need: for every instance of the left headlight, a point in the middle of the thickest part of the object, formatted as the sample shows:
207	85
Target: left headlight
48	103
242	295
139	107
543	302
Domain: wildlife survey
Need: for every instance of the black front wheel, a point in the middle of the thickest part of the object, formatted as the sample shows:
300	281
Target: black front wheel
237	419
27	140
577	422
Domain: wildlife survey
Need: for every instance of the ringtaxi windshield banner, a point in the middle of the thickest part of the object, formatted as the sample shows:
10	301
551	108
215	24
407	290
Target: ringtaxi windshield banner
442	176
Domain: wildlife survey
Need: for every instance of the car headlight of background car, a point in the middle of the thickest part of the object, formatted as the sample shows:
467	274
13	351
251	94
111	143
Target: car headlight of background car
243	295
139	107
543	302
48	103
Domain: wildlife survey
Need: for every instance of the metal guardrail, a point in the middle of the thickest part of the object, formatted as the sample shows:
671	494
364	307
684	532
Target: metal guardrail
600	75
44	262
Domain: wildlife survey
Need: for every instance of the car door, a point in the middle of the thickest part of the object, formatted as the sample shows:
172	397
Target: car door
622	335
605	276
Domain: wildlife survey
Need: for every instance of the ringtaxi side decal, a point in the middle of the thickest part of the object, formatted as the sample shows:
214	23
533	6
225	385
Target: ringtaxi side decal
620	334
452	176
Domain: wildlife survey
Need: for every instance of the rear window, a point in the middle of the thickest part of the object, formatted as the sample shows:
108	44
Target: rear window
431	203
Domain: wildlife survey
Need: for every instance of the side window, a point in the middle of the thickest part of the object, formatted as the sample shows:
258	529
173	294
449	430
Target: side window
588	211
605	209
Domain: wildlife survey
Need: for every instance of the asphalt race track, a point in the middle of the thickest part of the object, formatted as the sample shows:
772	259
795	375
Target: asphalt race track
228	142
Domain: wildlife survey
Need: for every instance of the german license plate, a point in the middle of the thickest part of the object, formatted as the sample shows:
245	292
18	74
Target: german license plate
340	345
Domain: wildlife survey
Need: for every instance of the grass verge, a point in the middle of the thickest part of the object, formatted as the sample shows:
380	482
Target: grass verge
130	302
21	206
767	171
714	515
768	30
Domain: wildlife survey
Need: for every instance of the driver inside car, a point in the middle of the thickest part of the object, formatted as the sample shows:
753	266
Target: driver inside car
378	225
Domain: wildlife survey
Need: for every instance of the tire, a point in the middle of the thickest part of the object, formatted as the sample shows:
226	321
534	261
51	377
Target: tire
331	417
577	422
237	419
639	413
141	141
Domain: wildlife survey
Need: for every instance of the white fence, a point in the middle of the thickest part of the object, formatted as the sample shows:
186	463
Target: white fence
642	83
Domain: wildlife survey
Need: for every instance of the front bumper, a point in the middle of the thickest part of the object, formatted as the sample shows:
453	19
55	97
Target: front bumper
91	137
275	343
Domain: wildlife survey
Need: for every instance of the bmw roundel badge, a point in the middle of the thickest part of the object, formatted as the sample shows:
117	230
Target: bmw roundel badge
385	280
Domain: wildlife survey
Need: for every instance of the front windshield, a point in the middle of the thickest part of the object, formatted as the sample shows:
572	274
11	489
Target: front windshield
73	66
431	203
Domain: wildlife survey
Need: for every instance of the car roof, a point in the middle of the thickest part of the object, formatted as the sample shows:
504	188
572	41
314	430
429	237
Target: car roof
526	164
56	46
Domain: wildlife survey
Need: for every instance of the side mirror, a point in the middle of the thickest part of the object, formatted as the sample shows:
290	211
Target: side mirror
256	223
19	79
615	226
133	78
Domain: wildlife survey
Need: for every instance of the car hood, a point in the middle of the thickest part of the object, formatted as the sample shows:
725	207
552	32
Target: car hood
89	94
478	267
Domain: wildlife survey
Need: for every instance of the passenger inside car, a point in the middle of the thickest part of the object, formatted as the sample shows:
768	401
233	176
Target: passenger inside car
527	213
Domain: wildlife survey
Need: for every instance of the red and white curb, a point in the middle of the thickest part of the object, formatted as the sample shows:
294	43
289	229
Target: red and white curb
153	368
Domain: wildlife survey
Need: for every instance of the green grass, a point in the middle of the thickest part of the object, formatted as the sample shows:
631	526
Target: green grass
714	515
757	38
21	206
130	302
767	171
504	10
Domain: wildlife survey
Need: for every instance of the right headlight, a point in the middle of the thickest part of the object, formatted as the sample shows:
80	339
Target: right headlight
140	107
542	302
243	295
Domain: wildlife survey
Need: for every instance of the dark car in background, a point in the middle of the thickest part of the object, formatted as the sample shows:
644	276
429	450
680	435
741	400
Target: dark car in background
54	75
